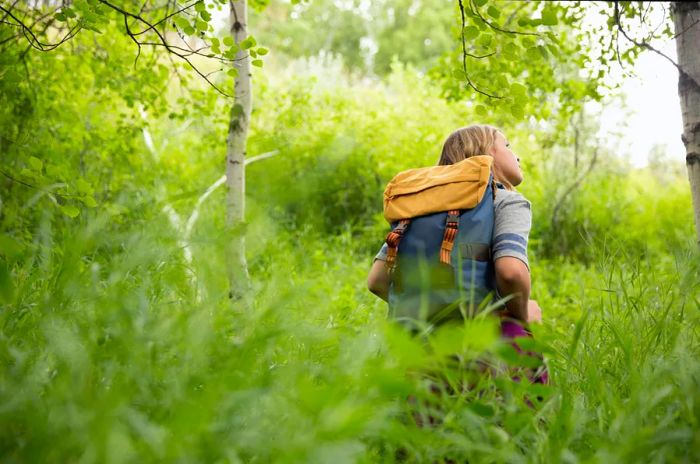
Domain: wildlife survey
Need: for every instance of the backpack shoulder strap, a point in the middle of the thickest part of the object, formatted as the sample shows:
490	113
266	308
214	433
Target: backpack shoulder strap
448	239
392	240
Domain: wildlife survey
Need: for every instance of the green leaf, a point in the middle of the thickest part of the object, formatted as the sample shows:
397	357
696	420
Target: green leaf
533	53
89	201
60	16
407	350
182	22
482	409
471	32
518	89
215	41
549	17
493	12
481	110
522	22
480	2
206	16
247	43
484	39
200	6
262	51
70	211
35	163
528	42
189	30
517	111
232	72
89	26
53	171
82	186
258	63
202	25
510	50
228	40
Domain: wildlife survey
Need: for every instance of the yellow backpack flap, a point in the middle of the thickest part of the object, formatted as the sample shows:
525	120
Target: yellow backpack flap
434	189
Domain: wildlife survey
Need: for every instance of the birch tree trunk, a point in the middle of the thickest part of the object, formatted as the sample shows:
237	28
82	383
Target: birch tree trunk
686	16
236	154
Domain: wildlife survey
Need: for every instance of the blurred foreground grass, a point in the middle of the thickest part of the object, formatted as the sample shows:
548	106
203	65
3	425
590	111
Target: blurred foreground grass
111	354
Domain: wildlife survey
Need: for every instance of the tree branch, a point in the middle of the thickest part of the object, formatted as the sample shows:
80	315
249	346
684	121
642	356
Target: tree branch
465	54
164	43
168	17
219	182
642	44
26	184
34	40
474	9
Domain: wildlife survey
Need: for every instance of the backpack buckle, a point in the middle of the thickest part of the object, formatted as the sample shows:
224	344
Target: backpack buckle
401	227
452	220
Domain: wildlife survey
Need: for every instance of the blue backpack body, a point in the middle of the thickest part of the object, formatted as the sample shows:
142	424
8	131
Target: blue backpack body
423	288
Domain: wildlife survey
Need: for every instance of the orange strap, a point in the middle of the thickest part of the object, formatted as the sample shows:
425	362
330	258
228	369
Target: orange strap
392	240
448	240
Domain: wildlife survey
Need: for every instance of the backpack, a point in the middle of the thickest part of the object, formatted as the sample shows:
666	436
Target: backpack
439	248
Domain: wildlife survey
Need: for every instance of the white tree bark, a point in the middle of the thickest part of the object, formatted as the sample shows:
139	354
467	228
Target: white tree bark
686	17
236	153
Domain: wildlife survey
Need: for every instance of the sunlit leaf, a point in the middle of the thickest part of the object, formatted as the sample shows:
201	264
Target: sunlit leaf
182	22
471	32
70	211
549	17
493	12
35	163
89	201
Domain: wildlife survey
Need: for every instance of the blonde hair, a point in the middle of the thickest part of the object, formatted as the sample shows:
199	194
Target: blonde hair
474	140
466	142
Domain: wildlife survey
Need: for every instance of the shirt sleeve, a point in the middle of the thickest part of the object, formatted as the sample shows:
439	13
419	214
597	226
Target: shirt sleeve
512	223
382	253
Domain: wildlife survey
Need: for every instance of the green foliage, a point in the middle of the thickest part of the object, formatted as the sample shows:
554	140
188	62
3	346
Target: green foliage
115	346
367	37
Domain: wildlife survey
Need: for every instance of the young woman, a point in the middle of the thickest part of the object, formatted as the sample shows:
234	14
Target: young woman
512	222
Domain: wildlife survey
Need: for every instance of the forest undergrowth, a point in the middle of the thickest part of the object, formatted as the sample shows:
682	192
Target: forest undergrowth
118	342
114	349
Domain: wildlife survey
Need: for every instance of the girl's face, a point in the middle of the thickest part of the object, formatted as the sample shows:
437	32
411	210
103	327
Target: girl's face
506	164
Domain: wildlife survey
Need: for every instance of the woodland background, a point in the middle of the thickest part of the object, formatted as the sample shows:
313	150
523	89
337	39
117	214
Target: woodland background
118	340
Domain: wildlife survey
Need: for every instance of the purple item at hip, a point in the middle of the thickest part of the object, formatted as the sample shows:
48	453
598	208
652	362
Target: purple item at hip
511	330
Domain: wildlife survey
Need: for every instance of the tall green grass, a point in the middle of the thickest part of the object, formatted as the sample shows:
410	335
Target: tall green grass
110	354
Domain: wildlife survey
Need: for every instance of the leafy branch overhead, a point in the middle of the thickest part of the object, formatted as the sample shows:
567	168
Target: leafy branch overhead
530	58
186	32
